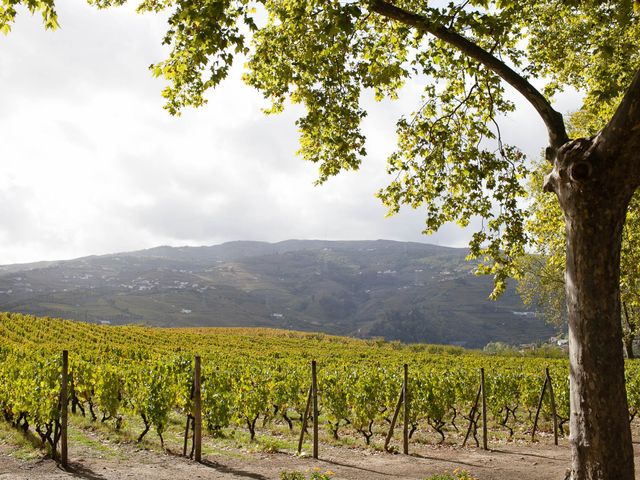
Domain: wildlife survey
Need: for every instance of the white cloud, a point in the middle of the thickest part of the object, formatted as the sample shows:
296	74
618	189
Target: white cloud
91	163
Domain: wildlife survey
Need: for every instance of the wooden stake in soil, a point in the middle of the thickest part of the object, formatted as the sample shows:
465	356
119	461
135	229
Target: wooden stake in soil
304	419
189	419
405	421
484	410
314	389
553	407
186	436
64	403
394	419
535	421
197	414
472	416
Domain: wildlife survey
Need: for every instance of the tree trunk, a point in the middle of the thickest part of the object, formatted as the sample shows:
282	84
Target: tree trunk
595	210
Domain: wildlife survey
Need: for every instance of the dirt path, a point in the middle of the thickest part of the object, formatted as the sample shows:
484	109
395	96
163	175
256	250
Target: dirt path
507	461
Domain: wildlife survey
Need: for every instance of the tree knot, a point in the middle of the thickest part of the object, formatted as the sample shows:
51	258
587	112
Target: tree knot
574	160
573	164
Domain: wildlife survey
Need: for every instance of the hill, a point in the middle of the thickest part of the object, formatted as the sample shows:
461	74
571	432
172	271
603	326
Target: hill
403	291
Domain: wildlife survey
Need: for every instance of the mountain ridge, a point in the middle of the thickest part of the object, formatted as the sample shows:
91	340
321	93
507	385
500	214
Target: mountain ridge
408	291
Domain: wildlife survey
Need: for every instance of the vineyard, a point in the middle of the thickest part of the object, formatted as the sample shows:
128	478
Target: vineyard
252	376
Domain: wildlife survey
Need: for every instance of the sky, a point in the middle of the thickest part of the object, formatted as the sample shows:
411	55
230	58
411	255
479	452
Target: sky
90	162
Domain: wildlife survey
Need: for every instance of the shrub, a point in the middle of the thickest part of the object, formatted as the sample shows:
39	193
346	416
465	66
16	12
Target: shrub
456	475
315	475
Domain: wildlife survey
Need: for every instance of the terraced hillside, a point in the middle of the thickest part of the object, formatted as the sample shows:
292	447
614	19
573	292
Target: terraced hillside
405	291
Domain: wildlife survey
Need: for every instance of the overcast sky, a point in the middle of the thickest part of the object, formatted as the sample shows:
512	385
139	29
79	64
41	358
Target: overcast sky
90	163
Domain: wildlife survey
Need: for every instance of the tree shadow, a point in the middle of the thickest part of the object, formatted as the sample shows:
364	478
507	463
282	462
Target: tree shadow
34	440
346	465
78	470
233	471
545	457
443	460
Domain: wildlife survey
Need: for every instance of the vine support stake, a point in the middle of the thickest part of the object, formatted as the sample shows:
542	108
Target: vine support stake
394	419
484	410
64	405
186	436
314	389
189	419
553	407
472	417
405	420
304	419
535	421
197	414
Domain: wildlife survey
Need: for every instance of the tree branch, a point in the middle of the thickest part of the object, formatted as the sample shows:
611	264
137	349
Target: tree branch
552	119
621	136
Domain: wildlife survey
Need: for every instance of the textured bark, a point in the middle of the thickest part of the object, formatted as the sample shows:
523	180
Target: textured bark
594	197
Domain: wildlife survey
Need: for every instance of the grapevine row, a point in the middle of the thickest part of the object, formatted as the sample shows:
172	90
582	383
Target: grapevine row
124	374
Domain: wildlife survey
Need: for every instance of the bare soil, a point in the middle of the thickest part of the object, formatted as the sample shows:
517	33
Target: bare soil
505	461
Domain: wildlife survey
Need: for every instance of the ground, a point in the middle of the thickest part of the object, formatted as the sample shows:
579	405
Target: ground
524	462
97	453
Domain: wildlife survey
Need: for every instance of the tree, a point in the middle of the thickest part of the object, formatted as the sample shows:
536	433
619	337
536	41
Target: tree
451	160
541	274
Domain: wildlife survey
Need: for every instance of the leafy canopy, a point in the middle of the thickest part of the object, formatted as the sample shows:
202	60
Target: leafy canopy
450	160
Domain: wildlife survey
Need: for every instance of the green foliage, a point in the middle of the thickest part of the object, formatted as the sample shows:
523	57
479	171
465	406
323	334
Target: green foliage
315	475
333	390
109	385
217	398
456	475
251	394
541	273
366	399
151	390
246	374
9	11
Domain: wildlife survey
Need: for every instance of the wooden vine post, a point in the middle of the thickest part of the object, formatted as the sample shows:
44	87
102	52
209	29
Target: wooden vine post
394	419
402	403
484	410
535	421
64	404
472	418
554	413
189	421
405	412
553	407
314	389
197	412
305	417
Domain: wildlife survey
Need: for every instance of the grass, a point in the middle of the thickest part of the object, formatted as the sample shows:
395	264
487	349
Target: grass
15	443
87	439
